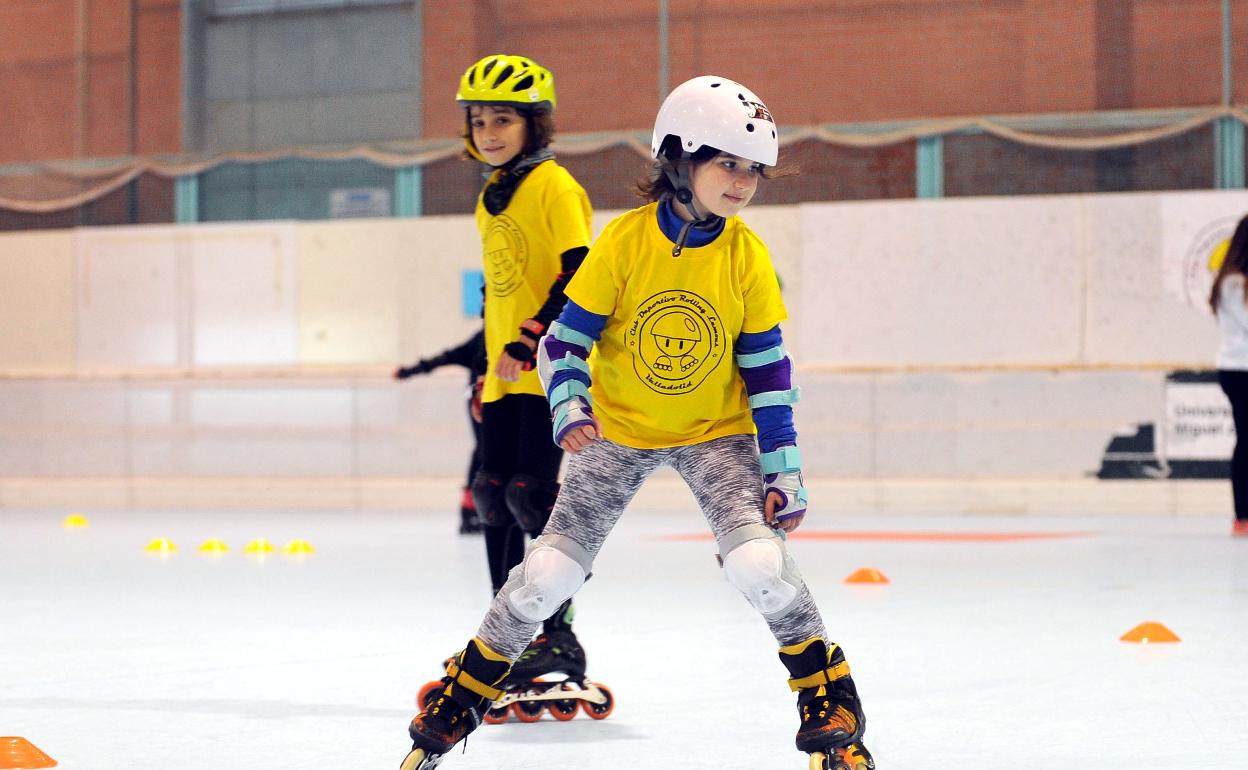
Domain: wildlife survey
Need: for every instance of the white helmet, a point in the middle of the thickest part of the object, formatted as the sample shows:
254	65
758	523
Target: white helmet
719	112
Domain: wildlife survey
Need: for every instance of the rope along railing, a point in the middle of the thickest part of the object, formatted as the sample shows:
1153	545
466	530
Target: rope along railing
103	176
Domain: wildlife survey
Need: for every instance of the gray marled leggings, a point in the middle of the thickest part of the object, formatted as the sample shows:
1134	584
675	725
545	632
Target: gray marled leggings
724	477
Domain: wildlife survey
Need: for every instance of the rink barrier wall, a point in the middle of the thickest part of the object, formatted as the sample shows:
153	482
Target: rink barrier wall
952	339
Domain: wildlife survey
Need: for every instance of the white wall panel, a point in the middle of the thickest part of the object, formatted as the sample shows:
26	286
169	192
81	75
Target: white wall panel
433	253
780	227
348	296
925	287
1132	317
128	313
982	281
271	406
244	294
37	300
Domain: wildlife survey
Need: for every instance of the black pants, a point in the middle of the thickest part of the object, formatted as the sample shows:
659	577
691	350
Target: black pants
1234	384
516	437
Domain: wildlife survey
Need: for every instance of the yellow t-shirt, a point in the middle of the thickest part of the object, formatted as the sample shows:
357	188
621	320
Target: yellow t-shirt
663	372
520	250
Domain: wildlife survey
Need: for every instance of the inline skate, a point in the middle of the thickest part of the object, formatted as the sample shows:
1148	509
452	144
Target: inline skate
548	676
827	700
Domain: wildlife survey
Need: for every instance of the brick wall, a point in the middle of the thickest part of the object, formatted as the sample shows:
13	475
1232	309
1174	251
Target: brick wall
817	61
74	72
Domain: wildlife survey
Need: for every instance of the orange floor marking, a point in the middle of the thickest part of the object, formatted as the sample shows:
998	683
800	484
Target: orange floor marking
902	537
21	754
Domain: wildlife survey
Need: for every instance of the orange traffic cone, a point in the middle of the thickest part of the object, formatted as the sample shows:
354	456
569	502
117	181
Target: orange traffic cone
1151	632
21	754
867	575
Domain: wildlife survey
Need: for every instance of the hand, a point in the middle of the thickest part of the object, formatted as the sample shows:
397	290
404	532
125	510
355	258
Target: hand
509	367
581	436
784	504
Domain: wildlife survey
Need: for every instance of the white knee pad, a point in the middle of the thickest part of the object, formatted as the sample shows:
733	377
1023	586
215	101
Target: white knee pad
552	571
760	568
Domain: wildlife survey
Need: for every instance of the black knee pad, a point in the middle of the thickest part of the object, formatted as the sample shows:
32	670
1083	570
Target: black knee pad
488	494
530	501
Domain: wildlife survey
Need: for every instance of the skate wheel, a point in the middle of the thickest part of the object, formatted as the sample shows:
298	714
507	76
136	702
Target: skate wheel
600	710
417	759
563	710
820	761
497	716
529	711
427	693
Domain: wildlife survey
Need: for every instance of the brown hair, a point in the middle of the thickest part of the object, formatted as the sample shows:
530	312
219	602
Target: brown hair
1235	263
656	186
539	127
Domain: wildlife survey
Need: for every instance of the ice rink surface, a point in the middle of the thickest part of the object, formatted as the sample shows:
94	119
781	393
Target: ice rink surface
996	645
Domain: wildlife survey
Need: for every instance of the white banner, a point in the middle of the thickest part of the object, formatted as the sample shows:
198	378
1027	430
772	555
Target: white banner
1198	422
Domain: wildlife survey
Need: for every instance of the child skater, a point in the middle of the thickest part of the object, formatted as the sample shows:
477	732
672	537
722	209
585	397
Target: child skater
469	354
680	300
1229	300
534	220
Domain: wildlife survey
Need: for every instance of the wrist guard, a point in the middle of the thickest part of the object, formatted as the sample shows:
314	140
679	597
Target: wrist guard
782	475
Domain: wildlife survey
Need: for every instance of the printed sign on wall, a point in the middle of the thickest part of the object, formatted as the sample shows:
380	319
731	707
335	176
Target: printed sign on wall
359	202
1198	419
1195	231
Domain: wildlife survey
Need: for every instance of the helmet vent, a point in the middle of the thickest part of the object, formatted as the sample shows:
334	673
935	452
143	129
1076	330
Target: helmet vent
715	85
503	74
773	133
523	83
749	127
489	66
741	97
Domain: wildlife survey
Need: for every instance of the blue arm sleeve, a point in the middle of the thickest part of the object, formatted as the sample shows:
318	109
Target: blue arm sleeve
774	423
580	320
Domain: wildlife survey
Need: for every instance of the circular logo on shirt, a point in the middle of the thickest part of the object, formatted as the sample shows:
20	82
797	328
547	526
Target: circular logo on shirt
506	256
677	340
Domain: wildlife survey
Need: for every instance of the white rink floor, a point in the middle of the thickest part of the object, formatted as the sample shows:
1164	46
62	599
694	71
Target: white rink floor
980	654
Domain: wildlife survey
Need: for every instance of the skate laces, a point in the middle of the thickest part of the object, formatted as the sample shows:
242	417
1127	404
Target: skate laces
831	703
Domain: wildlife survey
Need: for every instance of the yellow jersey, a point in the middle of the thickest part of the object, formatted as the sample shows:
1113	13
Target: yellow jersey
521	248
663	372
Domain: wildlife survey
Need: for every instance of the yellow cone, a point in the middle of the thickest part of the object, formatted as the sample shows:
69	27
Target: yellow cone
75	521
258	546
213	546
1151	632
298	548
161	545
867	575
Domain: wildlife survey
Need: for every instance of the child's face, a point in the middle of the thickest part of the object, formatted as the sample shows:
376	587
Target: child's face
497	132
725	184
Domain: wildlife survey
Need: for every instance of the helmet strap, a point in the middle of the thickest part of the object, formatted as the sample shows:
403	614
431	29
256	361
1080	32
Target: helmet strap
677	172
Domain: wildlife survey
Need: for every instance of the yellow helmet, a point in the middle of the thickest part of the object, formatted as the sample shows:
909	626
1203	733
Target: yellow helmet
508	80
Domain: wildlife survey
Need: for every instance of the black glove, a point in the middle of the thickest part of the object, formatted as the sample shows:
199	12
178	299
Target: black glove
520	351
420	367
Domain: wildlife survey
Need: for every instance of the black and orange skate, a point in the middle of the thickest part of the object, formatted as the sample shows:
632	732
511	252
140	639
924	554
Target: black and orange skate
827	700
852	757
455	710
550	676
